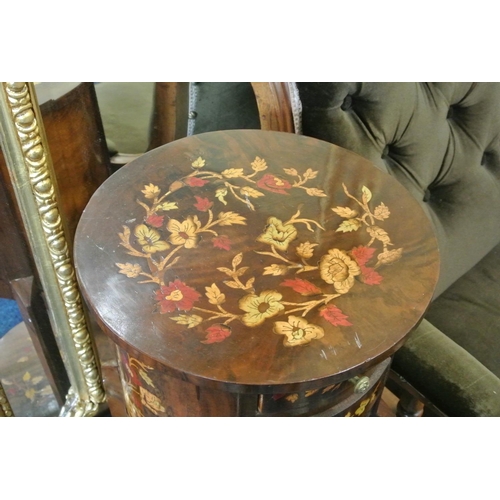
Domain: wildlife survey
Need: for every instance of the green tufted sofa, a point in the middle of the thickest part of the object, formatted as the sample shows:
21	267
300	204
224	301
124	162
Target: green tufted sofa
442	142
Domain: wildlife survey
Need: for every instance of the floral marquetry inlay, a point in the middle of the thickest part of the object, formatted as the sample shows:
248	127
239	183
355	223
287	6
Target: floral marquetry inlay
295	274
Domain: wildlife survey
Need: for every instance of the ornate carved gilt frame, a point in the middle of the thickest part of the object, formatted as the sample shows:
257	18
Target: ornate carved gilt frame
31	170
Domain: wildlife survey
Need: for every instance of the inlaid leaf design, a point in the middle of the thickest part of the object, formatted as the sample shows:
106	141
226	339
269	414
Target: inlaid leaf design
198	163
151	191
303	287
345	212
228	218
253	193
381	212
258	165
306	249
379	234
231	173
275	270
169	205
349	225
315	192
390	256
310	174
129	270
191	320
367	194
334	315
237	260
215	296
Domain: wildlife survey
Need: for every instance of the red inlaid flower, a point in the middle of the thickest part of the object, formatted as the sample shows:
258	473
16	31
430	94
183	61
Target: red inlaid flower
216	333
177	295
369	276
303	287
274	184
155	220
195	182
334	315
203	204
222	242
362	254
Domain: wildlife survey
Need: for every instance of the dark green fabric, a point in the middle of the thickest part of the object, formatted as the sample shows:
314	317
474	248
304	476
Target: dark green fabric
447	374
225	106
441	141
469	311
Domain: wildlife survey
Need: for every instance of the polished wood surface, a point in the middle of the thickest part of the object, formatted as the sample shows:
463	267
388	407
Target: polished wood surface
290	292
170	113
275	109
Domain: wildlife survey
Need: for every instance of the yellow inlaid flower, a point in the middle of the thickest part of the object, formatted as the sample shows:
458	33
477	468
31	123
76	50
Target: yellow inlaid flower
339	269
260	307
149	239
277	234
183	233
297	331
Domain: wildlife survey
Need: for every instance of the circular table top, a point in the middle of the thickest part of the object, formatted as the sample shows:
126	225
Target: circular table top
256	261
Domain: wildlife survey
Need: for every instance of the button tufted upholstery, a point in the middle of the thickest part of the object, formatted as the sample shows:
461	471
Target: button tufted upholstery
441	140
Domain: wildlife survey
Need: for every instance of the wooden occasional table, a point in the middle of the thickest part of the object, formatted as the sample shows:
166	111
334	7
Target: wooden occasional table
252	273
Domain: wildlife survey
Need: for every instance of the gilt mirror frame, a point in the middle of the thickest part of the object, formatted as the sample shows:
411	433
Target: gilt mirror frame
30	167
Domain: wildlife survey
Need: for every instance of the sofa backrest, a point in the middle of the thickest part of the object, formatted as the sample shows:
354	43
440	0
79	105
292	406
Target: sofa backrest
440	140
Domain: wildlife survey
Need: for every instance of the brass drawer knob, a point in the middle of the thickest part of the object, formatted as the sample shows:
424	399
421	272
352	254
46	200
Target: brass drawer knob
361	384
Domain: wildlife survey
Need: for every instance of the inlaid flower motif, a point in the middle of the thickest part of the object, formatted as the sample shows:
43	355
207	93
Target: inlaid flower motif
270	182
150	239
222	242
183	233
297	331
155	220
130	270
277	234
177	295
260	307
216	333
338	269
203	204
151	401
195	182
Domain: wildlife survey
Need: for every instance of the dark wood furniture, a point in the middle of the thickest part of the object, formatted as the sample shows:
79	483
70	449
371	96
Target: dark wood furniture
254	273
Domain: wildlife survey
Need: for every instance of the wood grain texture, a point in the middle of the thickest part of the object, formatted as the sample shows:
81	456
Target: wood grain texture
379	306
273	101
170	113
